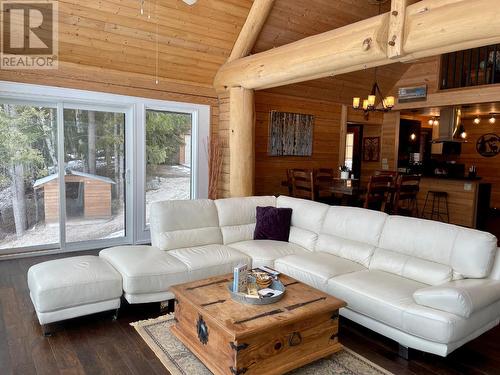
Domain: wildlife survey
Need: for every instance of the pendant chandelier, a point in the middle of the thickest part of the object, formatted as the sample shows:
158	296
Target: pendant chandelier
369	104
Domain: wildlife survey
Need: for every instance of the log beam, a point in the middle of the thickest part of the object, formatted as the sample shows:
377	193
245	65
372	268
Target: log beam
251	29
241	142
432	27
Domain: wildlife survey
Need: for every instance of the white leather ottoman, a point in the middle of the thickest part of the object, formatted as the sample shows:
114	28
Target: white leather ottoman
71	287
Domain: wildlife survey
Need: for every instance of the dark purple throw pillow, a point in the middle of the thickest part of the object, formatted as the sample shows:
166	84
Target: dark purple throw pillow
273	224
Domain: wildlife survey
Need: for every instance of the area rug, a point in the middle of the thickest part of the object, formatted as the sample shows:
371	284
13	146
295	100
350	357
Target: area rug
178	360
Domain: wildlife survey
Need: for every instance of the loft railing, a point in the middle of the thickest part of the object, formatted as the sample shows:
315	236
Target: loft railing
473	67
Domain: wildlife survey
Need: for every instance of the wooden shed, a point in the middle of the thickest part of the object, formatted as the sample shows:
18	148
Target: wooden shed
92	195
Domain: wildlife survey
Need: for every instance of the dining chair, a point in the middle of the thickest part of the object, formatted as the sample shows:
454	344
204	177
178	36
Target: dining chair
302	183
405	196
391	197
323	181
378	192
382	172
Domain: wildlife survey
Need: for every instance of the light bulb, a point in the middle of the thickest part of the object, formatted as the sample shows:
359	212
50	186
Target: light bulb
371	100
365	104
463	135
435	122
492	120
477	120
355	103
413	136
389	102
431	121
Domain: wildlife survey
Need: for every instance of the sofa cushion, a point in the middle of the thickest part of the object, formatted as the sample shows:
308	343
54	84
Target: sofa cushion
468	252
69	282
265	252
460	297
145	269
176	224
210	260
417	269
307	219
351	233
237	216
315	269
273	224
379	295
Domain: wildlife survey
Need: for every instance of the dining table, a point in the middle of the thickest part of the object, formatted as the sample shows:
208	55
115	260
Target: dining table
350	187
347	190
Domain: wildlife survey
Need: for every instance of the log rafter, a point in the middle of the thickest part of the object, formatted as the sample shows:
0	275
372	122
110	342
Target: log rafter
251	29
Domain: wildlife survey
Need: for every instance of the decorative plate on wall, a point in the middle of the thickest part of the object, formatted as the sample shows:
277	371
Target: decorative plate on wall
488	145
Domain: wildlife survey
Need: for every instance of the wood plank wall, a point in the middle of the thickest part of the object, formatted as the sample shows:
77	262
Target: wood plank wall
271	171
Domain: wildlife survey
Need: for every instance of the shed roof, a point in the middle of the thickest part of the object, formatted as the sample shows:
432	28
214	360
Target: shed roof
44	180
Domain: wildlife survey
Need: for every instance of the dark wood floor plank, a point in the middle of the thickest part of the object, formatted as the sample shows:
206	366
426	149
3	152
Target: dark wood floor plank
67	359
5	362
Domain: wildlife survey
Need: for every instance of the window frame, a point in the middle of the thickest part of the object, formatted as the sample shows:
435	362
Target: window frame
135	115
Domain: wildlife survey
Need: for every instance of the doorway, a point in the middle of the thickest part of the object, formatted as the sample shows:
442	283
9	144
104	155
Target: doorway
353	149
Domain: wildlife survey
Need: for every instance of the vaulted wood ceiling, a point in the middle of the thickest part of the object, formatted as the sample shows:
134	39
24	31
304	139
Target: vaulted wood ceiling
194	41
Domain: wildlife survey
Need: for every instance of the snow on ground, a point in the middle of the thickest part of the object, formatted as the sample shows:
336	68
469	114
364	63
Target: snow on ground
169	183
76	230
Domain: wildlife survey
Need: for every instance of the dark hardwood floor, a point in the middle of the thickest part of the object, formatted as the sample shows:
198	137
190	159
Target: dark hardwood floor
98	345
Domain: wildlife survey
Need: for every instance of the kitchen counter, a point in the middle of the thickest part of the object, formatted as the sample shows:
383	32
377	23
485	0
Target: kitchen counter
464	178
464	196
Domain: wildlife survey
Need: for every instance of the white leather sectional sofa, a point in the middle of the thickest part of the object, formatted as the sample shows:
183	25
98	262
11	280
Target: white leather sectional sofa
428	285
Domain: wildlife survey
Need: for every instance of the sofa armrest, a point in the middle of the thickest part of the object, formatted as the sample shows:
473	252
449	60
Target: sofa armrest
461	297
495	271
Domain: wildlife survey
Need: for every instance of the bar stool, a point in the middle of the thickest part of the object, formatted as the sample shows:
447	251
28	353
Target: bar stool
436	210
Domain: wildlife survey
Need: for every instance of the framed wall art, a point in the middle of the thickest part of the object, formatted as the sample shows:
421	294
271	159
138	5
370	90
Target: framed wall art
371	149
290	134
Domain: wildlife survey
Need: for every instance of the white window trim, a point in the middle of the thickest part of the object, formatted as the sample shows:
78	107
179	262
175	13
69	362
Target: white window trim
134	108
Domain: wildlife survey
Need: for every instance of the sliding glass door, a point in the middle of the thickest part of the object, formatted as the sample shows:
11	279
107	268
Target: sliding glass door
94	156
84	144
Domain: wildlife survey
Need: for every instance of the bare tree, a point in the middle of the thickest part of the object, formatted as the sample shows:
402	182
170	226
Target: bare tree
91	142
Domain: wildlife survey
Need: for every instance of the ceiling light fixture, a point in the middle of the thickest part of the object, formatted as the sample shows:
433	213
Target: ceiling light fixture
433	121
493	119
477	120
190	2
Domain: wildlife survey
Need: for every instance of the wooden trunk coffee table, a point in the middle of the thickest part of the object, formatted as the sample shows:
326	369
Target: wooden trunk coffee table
233	338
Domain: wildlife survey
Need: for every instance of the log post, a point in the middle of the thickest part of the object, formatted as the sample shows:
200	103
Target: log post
241	142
